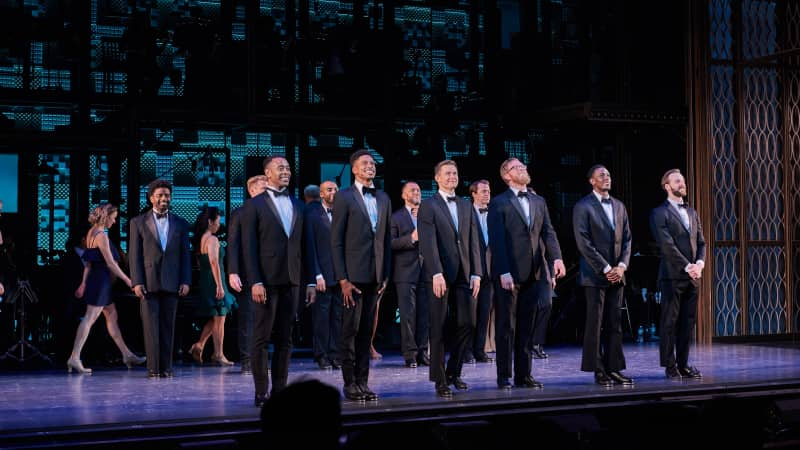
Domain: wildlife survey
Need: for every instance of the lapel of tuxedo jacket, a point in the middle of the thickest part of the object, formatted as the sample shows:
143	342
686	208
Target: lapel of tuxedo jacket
150	224
513	199
359	199
442	205
598	208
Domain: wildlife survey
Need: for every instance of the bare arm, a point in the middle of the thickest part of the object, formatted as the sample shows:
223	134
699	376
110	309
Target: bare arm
212	247
105	250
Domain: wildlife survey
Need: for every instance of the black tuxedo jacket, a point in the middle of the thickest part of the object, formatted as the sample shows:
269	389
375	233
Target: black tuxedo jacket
270	256
157	269
485	260
445	249
318	244
359	254
679	246
406	258
515	246
599	244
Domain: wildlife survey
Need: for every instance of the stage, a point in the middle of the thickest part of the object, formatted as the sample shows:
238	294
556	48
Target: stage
53	408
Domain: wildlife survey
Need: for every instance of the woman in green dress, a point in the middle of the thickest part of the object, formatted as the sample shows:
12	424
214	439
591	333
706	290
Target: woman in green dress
214	300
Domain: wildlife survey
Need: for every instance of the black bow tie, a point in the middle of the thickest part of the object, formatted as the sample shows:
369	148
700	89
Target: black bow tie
522	194
683	205
606	200
368	190
277	193
451	198
162	215
329	210
483	210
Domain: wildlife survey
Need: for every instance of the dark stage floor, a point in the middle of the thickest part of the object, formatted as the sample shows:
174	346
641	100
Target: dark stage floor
39	402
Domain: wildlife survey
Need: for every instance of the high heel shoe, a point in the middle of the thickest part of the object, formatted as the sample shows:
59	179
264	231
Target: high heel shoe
221	360
197	353
133	360
77	365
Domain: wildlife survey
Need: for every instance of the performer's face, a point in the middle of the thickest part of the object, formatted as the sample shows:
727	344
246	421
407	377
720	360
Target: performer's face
278	173
111	220
601	180
327	192
447	177
411	194
483	195
364	168
676	185
257	188
160	199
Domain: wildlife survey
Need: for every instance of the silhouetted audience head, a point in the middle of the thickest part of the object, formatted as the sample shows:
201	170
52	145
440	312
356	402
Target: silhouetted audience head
304	415
311	193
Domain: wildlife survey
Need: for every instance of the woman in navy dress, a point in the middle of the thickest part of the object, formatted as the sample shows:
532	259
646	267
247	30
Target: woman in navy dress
214	300
100	270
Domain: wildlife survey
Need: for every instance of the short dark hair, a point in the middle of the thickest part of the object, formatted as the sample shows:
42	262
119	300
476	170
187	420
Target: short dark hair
665	178
269	159
158	184
446	162
473	188
592	170
358	154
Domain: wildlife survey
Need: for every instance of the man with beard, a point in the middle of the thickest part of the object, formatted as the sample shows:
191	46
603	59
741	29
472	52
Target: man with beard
323	292
237	278
448	238
161	271
603	237
524	246
676	227
272	227
361	250
412	298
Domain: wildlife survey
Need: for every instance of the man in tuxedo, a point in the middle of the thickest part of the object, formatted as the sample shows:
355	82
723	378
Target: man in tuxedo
603	237
161	271
481	195
448	239
272	231
237	278
677	230
361	250
409	281
518	222
323	291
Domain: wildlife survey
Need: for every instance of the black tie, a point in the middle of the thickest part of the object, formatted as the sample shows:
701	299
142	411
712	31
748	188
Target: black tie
483	210
162	215
451	199
277	193
329	210
606	200
522	194
368	190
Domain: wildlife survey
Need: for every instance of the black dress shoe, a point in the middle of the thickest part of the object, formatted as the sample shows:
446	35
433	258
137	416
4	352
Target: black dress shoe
469	359
538	352
352	392
247	369
483	358
423	360
690	372
602	379
336	364
528	382
323	363
166	374
458	383
411	363
619	378
672	372
369	395
503	383
443	390
152	374
260	400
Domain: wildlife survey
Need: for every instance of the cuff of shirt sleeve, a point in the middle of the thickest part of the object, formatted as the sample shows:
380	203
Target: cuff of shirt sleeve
701	263
320	277
606	269
438	275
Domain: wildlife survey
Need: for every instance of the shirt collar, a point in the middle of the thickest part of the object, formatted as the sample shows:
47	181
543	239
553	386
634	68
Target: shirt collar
674	203
600	198
445	195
